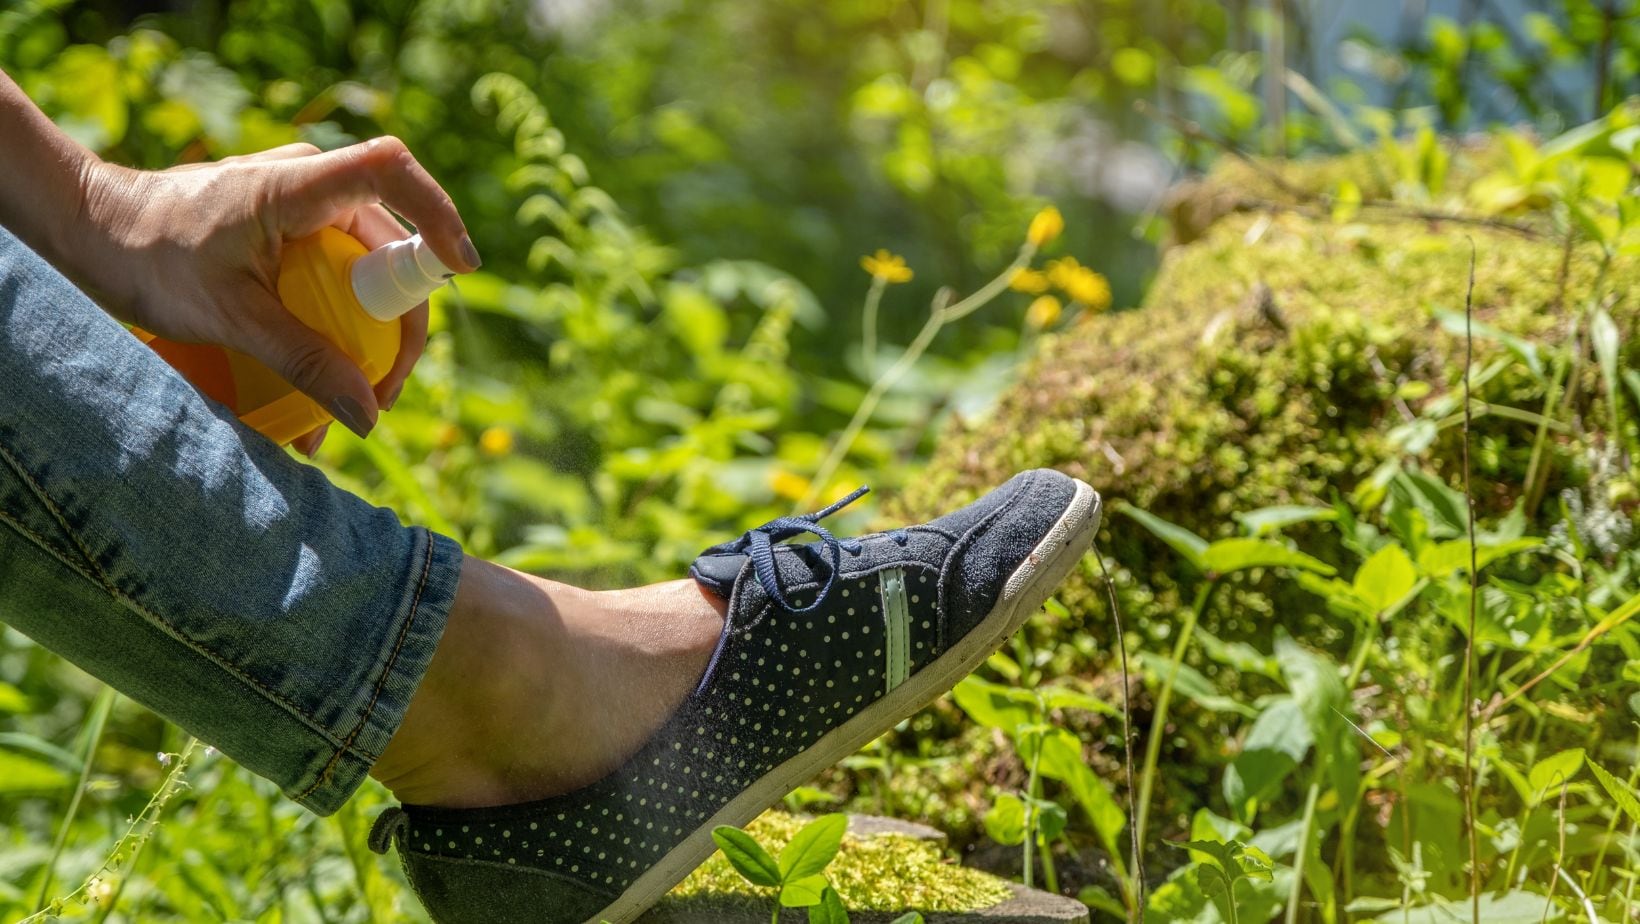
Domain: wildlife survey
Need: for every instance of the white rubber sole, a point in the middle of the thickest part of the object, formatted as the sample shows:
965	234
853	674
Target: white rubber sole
1030	584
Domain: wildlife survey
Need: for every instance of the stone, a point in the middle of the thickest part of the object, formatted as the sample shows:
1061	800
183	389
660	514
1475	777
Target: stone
900	855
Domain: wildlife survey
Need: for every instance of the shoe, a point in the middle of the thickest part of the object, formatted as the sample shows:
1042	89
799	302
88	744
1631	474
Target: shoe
826	646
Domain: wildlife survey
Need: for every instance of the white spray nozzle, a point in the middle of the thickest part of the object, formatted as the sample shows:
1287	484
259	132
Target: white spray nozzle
395	278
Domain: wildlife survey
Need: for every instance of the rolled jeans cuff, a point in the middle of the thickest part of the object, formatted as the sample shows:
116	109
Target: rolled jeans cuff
150	538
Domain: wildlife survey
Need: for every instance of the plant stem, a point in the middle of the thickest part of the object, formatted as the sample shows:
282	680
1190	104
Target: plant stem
98	718
1032	823
868	324
1303	847
1473	836
940	316
1133	890
1158	722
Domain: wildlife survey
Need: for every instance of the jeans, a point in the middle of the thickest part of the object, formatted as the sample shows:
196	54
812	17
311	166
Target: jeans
151	539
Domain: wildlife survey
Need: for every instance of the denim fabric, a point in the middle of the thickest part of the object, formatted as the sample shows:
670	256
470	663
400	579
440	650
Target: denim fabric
151	539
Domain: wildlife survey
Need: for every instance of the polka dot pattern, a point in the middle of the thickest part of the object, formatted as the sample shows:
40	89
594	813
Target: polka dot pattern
781	682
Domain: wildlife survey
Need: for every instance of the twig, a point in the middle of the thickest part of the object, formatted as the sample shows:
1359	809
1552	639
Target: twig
1136	909
1474	590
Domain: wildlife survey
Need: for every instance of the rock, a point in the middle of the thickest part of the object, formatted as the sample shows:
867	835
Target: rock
874	825
1027	906
886	868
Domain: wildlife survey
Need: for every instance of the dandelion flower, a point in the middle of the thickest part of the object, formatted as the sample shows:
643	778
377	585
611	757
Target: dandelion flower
889	267
789	485
495	441
1029	281
1047	225
1080	283
1044	312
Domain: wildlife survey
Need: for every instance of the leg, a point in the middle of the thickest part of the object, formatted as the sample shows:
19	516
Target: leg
152	540
200	570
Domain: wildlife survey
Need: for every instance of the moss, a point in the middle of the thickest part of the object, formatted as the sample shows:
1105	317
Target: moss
1213	398
882	873
1268	365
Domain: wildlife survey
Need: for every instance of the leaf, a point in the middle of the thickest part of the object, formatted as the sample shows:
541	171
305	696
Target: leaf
829	911
1189	545
910	917
1445	558
747	856
1605	339
1315	684
1619	791
1276	744
1191	683
1241	553
1056	697
993	705
1062	761
1385	578
1050	818
1496	908
25	774
1267	520
1005	821
813	847
1548	774
13	699
803	893
1441	506
1527	351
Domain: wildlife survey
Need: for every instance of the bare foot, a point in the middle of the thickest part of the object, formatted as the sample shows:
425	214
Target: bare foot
540	688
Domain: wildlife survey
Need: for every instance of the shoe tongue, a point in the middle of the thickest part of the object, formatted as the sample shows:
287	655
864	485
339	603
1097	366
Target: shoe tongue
717	573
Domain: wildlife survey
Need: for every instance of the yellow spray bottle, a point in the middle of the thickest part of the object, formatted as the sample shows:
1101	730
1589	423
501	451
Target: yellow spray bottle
335	285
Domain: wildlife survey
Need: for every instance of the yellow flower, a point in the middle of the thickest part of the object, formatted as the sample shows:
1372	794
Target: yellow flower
1046	226
789	485
889	267
1029	281
1080	283
1043	312
495	441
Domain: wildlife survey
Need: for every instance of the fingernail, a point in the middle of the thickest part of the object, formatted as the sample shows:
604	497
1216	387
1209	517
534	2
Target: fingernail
350	414
393	398
470	253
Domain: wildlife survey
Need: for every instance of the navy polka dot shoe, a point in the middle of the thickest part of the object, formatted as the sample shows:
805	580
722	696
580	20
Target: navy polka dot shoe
827	645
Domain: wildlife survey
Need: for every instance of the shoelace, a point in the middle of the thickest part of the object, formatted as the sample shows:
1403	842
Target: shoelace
758	543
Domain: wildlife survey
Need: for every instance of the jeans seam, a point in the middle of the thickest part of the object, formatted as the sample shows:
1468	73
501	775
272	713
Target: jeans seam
61	554
57	514
381	680
96	575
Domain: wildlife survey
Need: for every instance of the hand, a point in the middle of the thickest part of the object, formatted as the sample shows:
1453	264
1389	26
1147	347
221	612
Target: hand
192	254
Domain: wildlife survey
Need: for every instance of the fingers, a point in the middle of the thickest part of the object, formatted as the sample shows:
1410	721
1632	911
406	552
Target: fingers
312	190
308	443
375	226
412	341
304	358
282	152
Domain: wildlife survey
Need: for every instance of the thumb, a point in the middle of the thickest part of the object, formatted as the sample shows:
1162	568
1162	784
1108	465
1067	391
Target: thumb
317	367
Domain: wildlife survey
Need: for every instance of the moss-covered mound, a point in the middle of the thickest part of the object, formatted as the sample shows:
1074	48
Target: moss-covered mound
1273	357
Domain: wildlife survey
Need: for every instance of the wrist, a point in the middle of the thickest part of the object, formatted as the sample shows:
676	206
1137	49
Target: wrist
91	246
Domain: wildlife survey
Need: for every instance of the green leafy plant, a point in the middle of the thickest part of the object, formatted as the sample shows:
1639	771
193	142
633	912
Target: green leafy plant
798	876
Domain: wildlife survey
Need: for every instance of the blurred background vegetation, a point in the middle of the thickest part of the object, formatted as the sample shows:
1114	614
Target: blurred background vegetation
674	324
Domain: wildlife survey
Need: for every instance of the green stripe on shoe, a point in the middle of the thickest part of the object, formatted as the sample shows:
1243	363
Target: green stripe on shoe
897	626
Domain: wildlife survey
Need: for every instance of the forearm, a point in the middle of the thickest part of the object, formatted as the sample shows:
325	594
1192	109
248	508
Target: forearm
43	177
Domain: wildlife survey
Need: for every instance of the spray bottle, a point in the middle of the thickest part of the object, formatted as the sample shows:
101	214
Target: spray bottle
335	285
